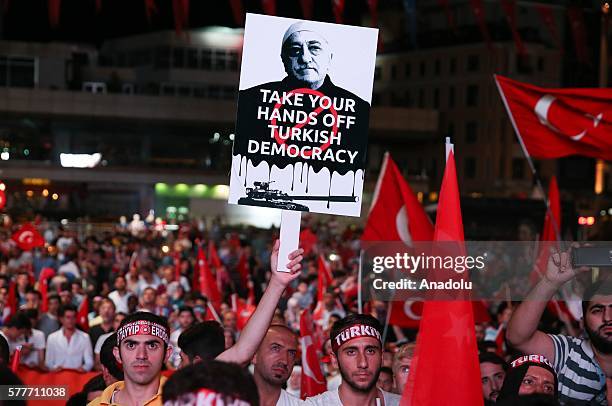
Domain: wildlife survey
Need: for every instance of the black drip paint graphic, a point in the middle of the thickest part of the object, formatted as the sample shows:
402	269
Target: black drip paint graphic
331	177
354	181
246	171
240	167
292	176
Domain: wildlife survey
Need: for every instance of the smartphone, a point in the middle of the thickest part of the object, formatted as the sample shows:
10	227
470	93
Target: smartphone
592	256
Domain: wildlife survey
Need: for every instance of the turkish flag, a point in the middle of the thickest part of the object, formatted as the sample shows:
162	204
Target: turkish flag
207	283
552	227
307	7
509	7
181	15
446	335
338	9
28	237
308	240
243	269
269	7
43	286
553	123
214	257
150	8
324	278
237	12
82	319
243	311
54	12
313	382
406	314
395	214
16	359
11	302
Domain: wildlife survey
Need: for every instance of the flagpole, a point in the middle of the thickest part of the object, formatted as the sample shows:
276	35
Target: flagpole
530	162
387	319
359	275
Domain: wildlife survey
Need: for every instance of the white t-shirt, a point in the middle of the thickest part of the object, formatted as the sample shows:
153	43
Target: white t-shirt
37	339
285	399
100	342
332	398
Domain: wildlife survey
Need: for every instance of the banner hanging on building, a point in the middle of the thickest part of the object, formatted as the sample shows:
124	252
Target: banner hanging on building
303	114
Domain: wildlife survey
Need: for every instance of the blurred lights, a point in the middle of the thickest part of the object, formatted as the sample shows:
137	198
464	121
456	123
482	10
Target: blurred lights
165	249
54	196
4	155
30	193
334	257
80	160
45	192
586	220
2	186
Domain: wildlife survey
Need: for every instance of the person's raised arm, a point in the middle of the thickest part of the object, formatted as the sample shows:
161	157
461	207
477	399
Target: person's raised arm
522	331
255	330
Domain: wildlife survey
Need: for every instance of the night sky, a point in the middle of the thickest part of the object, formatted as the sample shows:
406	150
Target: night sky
27	20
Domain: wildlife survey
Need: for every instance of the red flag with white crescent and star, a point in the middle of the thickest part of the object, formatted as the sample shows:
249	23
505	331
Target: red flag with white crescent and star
446	334
553	123
396	214
28	237
83	311
313	382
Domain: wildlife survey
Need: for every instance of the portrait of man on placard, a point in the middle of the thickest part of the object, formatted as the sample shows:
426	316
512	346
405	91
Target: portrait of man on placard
303	124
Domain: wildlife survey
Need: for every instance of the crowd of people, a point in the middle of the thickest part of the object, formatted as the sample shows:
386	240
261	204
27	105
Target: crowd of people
155	339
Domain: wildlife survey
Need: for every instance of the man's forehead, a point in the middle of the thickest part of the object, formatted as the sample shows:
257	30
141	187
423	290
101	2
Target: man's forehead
142	338
602	299
362	342
282	337
305	36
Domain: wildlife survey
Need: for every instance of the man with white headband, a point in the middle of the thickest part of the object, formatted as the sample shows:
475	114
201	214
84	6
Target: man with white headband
357	347
143	343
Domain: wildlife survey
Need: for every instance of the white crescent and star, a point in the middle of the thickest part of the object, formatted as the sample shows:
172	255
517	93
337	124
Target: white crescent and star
541	111
26	237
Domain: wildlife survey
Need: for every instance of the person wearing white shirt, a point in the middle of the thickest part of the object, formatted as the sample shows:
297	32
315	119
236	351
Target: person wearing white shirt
186	318
274	361
357	348
32	342
68	347
120	295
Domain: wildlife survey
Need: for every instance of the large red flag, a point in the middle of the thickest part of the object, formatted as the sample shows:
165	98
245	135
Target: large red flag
28	237
243	269
313	382
308	240
406	314
207	283
553	123
243	310
395	214
82	319
446	336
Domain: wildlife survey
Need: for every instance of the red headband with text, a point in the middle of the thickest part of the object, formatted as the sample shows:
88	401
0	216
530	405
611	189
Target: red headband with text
143	327
354	331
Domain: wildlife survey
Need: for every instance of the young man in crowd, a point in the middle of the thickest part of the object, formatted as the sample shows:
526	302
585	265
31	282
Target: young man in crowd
201	342
102	339
107	313
14	330
69	347
111	370
492	374
401	366
49	322
32	342
357	347
274	363
143	343
186	318
210	383
120	295
584	366
385	379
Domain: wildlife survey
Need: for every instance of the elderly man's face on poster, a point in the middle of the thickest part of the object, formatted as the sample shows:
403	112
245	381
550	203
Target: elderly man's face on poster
307	57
